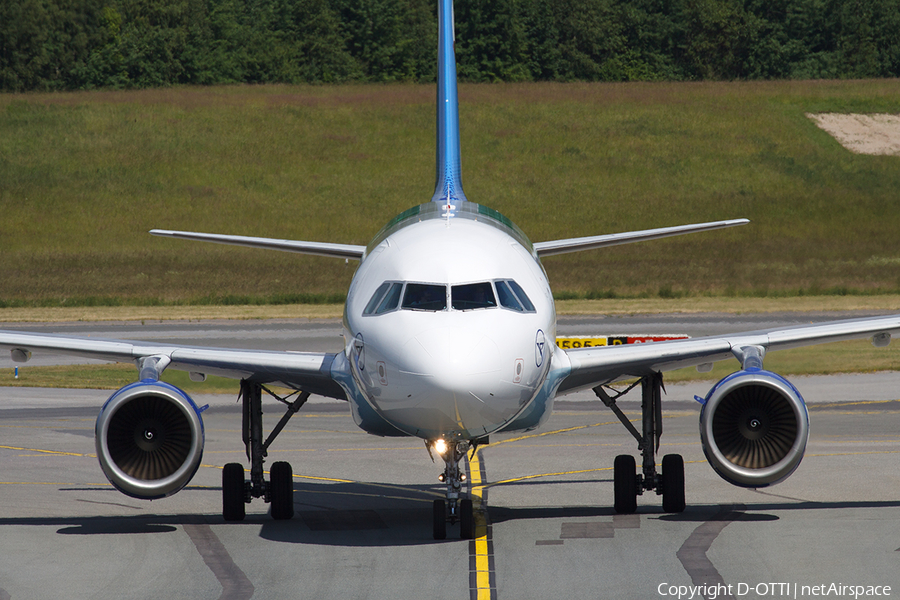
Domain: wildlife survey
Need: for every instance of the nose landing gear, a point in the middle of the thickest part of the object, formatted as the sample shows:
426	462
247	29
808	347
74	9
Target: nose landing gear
453	509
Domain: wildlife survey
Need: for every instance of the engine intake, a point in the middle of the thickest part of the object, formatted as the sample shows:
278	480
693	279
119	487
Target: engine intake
149	438
754	427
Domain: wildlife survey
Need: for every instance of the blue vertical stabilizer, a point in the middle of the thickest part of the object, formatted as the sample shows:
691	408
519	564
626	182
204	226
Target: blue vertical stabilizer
448	186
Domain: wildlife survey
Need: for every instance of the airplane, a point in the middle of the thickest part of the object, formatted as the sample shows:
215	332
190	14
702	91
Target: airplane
449	328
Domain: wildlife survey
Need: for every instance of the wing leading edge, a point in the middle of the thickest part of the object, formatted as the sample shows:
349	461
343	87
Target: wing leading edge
589	367
308	371
348	251
615	239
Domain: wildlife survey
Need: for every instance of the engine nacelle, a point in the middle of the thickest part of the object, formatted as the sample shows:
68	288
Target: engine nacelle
149	438
754	427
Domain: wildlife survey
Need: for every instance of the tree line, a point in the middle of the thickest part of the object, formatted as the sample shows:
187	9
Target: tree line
86	44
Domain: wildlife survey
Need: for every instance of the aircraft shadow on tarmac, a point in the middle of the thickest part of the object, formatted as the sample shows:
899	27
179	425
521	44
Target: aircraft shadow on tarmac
360	514
761	511
338	514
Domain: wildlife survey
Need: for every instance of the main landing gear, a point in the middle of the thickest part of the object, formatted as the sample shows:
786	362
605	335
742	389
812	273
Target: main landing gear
279	490
627	484
454	509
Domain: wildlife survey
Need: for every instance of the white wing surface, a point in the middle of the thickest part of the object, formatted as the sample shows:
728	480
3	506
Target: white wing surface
598	365
309	371
348	251
616	239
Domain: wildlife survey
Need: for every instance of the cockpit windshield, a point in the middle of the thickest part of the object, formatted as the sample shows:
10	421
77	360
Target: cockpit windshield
425	296
505	293
472	296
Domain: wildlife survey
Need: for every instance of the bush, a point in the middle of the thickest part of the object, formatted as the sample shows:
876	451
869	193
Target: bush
80	44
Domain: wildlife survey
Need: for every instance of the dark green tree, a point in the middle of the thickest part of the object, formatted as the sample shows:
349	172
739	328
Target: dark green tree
490	41
868	38
76	44
48	44
717	38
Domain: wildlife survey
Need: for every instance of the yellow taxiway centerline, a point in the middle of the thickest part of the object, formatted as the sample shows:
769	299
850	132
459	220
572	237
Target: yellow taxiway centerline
482	560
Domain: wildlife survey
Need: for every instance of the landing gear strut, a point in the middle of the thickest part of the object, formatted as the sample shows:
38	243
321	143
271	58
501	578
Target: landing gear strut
279	490
454	509
627	484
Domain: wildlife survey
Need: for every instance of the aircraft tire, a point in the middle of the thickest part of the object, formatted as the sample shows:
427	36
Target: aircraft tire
625	484
466	519
233	492
439	519
282	491
673	483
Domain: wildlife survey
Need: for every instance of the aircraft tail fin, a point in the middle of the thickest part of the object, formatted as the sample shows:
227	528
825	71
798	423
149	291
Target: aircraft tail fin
448	185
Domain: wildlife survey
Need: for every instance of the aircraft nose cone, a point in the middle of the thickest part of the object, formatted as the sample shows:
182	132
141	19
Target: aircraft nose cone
460	370
459	361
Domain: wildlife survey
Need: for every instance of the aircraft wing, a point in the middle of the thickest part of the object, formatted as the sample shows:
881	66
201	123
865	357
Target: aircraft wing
348	251
550	248
604	364
309	371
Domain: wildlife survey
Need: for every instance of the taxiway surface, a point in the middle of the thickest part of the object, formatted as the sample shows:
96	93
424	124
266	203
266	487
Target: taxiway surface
362	527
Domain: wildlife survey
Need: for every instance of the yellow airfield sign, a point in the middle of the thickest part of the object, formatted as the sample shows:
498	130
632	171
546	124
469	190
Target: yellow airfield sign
568	342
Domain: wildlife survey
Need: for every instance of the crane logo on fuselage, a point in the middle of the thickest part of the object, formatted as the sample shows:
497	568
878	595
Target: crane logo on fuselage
360	348
539	344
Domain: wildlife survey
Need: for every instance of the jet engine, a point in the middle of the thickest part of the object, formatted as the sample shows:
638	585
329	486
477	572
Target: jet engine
149	438
754	427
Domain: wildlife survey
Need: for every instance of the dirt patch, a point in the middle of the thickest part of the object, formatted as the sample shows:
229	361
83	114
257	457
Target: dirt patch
863	134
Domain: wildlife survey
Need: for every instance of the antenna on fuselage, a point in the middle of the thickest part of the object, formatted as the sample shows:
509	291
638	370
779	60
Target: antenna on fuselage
448	205
448	184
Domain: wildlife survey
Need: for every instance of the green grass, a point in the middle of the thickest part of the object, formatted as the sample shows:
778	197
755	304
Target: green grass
858	356
83	176
210	300
107	377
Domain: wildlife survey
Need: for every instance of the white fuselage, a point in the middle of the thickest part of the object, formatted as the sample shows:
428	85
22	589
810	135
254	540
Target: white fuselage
464	364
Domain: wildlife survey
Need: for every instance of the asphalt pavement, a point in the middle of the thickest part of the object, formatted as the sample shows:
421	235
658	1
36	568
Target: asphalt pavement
362	527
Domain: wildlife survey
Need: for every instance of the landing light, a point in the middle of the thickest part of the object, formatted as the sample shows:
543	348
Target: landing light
440	446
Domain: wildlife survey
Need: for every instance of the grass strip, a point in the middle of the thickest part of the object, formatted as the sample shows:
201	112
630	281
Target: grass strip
108	377
85	175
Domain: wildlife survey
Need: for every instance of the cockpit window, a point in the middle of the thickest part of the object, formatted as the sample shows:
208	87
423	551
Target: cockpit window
513	297
424	296
526	302
391	299
508	297
385	299
472	296
376	298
